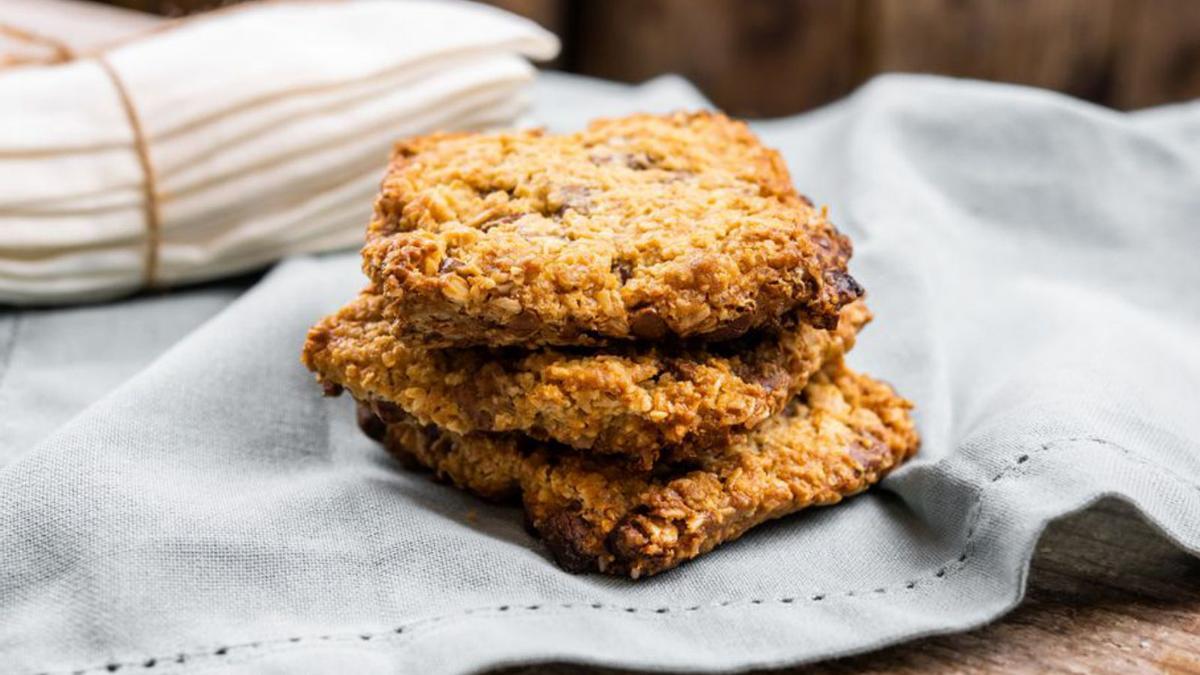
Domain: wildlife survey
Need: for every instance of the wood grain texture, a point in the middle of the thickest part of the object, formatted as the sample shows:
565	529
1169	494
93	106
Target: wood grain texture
1067	45
760	58
1158	59
1107	594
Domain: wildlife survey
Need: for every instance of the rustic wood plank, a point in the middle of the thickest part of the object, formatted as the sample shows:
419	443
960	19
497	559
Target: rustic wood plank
1158	57
1067	45
1107	594
761	58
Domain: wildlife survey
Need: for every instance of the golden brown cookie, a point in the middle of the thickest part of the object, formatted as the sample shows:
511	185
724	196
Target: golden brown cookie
642	401
843	433
645	227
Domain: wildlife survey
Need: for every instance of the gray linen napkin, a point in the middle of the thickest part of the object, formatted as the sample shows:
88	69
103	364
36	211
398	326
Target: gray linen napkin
1032	264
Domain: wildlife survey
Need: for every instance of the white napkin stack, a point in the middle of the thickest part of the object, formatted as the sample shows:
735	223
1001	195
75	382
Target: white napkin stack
267	129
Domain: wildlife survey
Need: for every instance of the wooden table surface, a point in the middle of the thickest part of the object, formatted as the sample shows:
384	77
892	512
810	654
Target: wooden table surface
1107	594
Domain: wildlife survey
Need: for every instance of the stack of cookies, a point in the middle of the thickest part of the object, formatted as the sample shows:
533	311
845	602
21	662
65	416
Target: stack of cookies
637	330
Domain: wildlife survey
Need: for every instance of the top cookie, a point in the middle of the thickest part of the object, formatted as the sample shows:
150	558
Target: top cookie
644	227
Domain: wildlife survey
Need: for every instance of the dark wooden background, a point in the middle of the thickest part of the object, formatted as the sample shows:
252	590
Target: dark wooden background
774	57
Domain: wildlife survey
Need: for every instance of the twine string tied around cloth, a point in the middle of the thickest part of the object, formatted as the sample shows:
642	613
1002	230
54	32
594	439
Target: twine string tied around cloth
149	183
63	53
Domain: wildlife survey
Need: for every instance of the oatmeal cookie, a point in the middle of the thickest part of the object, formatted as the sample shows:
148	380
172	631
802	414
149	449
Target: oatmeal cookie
641	401
843	433
645	227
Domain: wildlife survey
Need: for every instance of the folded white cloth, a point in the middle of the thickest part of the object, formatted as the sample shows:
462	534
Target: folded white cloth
266	129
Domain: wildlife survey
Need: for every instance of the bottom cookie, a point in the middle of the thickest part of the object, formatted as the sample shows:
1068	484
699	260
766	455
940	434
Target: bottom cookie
840	435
